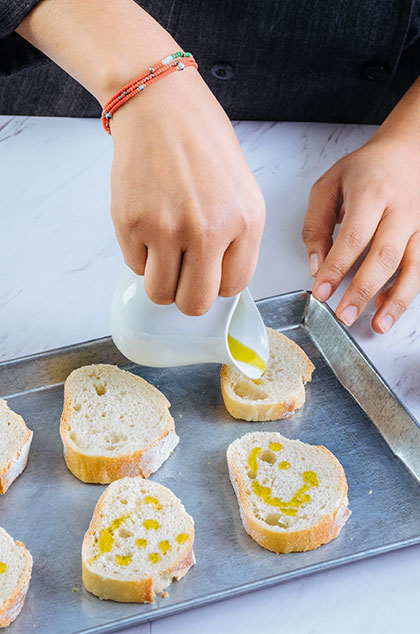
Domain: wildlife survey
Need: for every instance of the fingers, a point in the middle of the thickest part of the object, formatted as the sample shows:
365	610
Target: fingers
199	281
361	217
213	267
238	266
395	300
161	273
135	257
132	244
381	297
320	220
383	259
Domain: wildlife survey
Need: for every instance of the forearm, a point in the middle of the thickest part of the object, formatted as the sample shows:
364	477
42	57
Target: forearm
102	44
403	123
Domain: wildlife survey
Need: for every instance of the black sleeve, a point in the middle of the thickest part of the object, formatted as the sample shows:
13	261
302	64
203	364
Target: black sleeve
15	53
12	12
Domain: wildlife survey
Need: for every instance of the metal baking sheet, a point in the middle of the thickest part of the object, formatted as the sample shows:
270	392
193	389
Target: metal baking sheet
348	408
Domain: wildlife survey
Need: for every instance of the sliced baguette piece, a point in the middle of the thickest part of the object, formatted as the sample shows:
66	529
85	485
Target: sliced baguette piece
15	443
292	496
15	574
278	393
140	539
114	424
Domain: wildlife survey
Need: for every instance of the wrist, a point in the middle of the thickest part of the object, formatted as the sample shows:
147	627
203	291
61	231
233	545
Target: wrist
184	91
121	66
393	143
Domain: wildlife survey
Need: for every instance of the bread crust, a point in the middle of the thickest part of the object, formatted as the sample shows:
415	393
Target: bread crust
128	591
18	461
105	469
260	411
14	604
294	541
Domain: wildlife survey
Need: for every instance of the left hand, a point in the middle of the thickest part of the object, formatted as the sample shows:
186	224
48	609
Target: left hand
375	194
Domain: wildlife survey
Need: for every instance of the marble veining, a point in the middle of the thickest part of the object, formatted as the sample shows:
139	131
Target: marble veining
59	262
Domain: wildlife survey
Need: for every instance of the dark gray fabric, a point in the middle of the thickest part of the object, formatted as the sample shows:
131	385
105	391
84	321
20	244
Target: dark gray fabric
307	60
12	12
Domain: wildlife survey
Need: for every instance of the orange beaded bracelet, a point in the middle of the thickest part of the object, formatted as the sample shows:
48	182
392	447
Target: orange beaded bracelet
170	64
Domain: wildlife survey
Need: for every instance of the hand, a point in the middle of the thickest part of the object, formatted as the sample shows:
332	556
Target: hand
188	212
374	193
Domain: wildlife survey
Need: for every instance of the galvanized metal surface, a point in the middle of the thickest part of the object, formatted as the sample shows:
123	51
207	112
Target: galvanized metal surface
50	510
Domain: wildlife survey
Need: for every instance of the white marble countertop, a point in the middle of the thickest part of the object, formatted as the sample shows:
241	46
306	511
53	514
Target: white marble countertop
59	262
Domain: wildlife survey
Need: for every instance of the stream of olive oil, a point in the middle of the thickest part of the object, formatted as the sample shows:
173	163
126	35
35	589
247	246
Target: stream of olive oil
242	353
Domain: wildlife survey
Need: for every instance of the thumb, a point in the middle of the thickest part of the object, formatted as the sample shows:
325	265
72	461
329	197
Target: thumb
321	218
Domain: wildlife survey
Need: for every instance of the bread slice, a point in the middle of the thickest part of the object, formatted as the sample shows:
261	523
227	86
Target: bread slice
140	539
114	424
292	496
15	574
15	443
278	393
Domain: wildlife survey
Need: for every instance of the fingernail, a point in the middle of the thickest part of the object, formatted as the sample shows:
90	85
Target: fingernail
323	291
385	323
314	263
348	315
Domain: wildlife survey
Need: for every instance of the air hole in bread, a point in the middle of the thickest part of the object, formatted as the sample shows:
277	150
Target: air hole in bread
114	439
123	532
272	519
123	501
275	519
100	388
249	391
268	456
77	407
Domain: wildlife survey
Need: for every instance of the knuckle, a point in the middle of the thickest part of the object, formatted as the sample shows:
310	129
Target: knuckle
354	238
194	308
336	269
364	292
136	266
309	232
158	296
231	290
129	219
388	256
378	190
249	223
167	230
196	230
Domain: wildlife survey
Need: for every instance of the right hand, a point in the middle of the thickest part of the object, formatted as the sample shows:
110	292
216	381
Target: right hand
187	210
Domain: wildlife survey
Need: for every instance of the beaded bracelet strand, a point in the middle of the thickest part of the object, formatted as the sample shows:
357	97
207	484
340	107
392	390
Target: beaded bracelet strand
170	64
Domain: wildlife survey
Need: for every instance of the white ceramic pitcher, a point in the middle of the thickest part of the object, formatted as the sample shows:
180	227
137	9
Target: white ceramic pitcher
162	336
